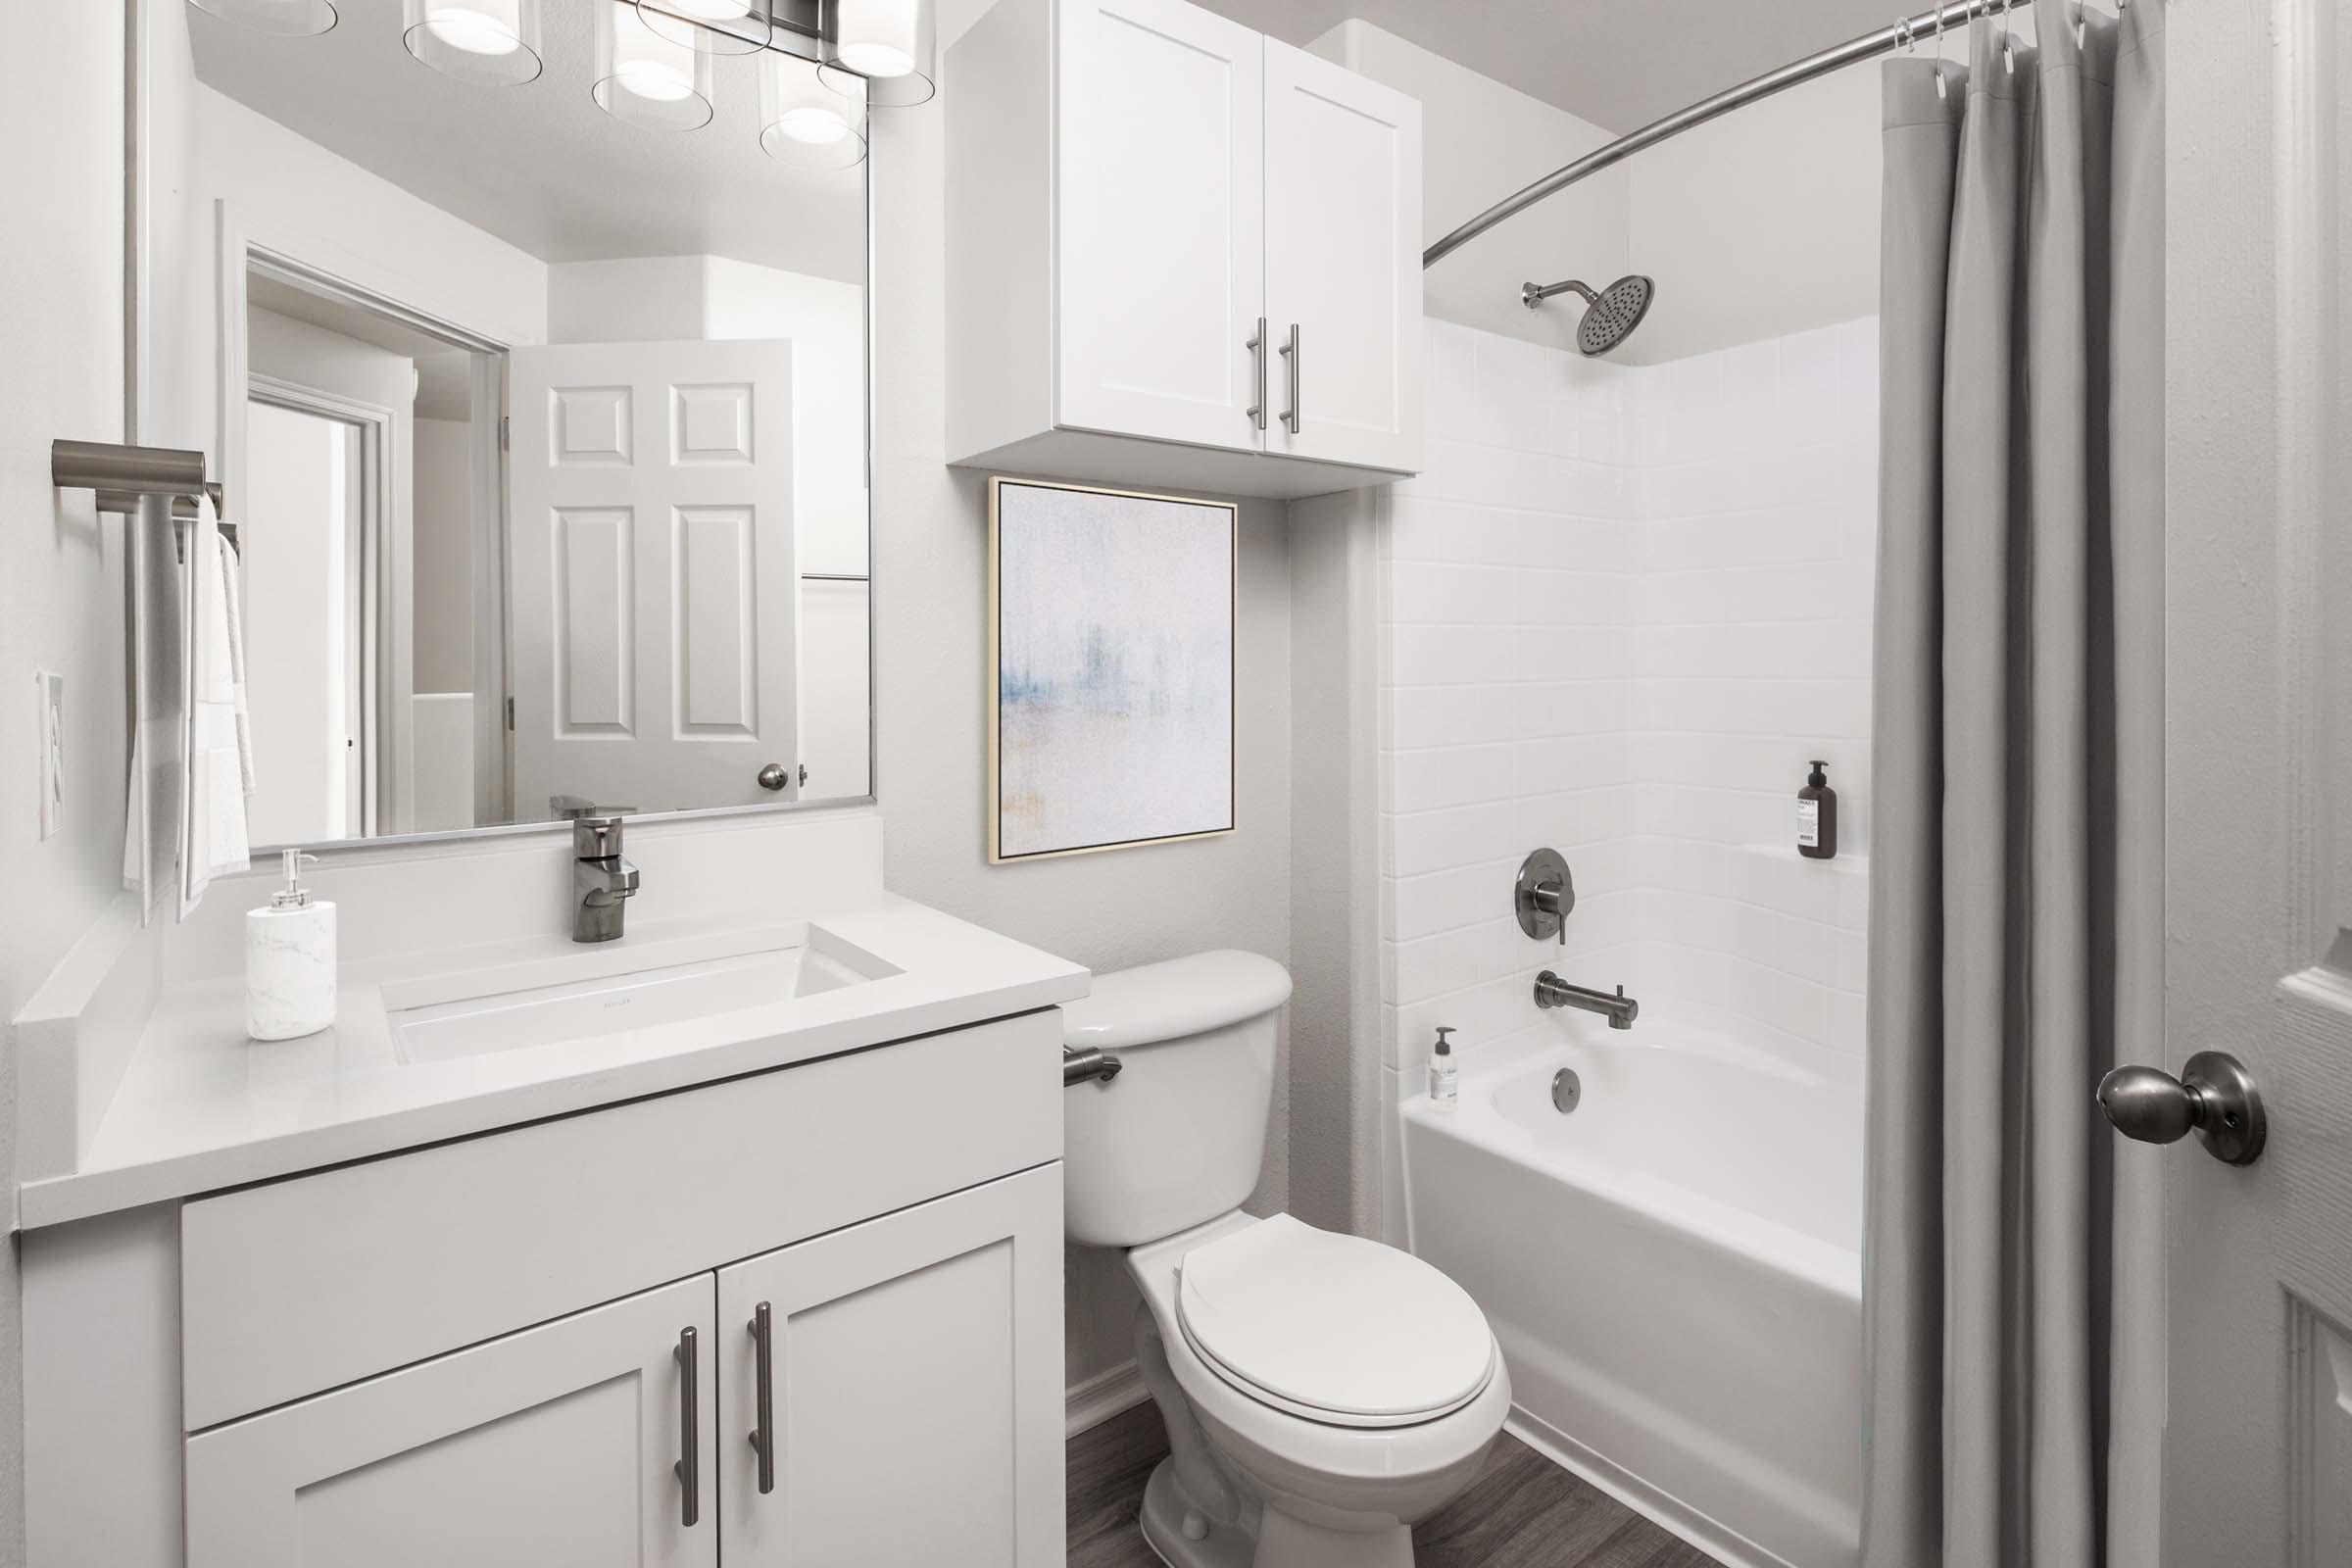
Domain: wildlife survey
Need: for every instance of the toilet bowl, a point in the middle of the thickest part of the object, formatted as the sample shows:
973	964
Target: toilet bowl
1322	1393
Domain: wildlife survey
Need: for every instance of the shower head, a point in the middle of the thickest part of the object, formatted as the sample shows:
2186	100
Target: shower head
1610	315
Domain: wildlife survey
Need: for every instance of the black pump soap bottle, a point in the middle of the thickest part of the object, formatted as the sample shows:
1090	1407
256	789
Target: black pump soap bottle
1817	817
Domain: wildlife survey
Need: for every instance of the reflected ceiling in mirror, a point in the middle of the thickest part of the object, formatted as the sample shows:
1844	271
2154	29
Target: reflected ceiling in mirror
551	441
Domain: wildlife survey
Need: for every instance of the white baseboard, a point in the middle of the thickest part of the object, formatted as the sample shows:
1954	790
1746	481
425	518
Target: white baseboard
1103	1396
1726	1546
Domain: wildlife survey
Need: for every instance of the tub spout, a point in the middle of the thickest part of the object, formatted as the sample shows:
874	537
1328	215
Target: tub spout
1553	992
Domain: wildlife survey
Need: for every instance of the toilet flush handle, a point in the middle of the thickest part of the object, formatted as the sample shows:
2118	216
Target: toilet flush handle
1087	1064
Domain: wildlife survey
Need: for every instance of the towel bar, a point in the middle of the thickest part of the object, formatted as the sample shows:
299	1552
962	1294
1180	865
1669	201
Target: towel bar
121	474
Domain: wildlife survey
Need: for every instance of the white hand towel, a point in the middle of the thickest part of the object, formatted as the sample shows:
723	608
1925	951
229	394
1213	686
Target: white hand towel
232	579
213	836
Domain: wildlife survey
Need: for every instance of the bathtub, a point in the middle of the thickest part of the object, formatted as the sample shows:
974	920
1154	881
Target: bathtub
1673	1270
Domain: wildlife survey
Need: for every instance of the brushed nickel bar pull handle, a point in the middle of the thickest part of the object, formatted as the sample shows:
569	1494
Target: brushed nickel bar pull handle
1290	352
1257	356
763	1395
689	1468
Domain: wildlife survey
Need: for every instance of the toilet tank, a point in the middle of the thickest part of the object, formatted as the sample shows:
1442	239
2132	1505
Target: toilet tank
1176	1138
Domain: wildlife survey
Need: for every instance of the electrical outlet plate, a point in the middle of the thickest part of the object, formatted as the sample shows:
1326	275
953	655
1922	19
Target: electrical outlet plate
49	692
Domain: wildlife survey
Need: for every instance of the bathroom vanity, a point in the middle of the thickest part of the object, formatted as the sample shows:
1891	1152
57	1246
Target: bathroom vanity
723	1242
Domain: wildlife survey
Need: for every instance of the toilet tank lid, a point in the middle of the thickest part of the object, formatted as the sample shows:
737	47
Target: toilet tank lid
1188	995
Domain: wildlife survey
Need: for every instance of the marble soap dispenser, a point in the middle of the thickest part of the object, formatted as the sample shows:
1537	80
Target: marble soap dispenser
290	960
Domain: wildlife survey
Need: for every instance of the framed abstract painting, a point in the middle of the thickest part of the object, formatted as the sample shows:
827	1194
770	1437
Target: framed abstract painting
1111	643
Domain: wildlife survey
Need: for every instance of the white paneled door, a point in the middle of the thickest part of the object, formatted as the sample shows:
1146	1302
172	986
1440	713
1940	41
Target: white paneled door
567	1443
1343	294
910	1417
1161	207
2257	780
652	576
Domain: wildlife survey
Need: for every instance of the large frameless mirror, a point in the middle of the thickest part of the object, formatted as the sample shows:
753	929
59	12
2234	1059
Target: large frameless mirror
547	450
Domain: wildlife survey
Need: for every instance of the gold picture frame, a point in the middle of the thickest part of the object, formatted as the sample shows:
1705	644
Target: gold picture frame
1017	848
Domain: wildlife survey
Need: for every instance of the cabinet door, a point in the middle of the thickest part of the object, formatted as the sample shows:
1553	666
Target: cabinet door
1343	263
1160	202
914	1388
563	1445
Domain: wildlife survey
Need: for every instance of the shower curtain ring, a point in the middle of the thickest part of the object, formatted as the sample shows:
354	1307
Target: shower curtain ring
1902	35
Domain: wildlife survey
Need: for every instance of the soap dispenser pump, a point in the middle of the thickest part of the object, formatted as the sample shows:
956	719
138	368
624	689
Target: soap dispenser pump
290	960
1817	817
1445	1076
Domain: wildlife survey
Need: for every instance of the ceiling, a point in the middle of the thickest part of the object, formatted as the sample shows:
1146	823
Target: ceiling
1620	64
540	165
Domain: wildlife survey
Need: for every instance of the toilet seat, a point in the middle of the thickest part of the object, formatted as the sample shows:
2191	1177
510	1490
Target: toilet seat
1332	1328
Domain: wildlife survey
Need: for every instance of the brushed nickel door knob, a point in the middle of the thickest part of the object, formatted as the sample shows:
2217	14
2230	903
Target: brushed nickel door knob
2213	1097
773	776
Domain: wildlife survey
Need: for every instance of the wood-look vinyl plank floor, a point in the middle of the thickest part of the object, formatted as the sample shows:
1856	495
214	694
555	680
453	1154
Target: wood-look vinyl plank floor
1523	1511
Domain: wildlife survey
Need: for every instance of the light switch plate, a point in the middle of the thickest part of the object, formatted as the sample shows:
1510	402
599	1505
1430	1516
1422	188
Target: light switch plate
49	691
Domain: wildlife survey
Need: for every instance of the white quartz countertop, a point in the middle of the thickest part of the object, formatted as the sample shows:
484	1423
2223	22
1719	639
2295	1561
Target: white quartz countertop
201	1106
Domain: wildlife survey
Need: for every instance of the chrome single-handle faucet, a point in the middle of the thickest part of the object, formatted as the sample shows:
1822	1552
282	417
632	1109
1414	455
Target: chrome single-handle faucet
602	880
1553	992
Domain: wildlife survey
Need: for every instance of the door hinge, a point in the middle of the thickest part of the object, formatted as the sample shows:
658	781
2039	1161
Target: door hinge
503	430
510	714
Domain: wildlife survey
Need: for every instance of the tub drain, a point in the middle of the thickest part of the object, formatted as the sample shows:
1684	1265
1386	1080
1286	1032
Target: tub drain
1567	1089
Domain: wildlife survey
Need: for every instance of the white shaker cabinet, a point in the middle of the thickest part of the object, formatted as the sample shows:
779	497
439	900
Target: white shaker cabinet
1343	183
1161	163
533	1347
573	1443
1179	252
909	1369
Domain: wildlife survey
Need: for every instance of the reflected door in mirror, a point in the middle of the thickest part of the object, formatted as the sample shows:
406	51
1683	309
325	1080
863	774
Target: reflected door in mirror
652	578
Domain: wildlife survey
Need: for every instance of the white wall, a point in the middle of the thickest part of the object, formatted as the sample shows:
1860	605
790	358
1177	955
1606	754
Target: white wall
442	539
1481	141
299	490
294	196
60	317
930	543
1762	223
638	299
1624	605
825	319
1759	225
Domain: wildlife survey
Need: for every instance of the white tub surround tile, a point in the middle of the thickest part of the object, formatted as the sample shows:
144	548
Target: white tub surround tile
1620	610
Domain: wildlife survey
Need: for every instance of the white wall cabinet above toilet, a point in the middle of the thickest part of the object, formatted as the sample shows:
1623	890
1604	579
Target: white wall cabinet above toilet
1179	252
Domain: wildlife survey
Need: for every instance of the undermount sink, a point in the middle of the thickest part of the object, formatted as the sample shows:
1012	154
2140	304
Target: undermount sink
555	1001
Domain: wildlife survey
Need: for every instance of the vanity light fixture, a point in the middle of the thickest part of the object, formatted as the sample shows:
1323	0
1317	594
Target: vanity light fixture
713	26
888	43
288	19
490	43
807	123
648	78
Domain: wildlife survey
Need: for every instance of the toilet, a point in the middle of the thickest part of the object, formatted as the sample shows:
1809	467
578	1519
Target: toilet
1322	1391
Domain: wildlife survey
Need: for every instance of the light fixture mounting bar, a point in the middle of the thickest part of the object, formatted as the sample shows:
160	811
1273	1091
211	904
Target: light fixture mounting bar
795	26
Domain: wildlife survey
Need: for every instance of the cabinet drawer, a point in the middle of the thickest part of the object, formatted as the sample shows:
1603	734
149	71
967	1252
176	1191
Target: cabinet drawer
310	1283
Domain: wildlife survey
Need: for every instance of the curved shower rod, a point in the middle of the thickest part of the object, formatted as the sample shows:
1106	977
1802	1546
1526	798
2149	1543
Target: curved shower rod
1896	35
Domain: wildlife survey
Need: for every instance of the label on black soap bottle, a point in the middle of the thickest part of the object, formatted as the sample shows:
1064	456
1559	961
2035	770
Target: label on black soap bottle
1809	824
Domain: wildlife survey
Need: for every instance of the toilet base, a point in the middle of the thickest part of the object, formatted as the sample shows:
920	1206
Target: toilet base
1164	1517
1286	1542
1281	1541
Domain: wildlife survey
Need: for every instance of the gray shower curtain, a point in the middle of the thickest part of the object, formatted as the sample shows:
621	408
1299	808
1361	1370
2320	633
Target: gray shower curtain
2012	1267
